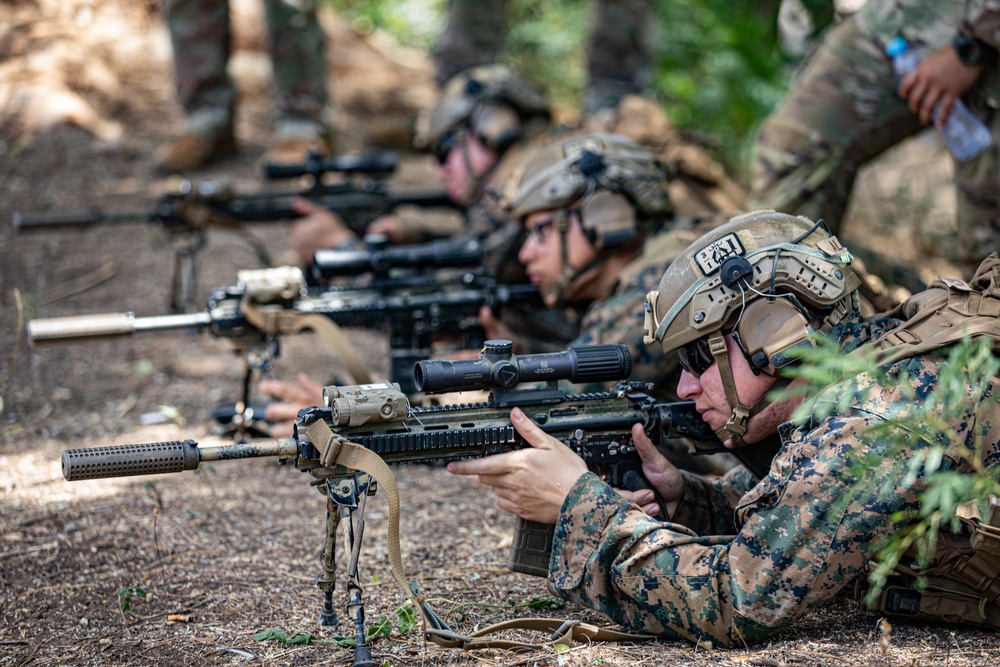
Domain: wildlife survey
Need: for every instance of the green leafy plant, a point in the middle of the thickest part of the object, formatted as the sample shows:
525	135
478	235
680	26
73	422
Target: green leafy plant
125	598
403	619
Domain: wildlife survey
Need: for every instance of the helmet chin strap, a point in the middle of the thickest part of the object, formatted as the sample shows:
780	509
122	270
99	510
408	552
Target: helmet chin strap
476	181
736	427
568	274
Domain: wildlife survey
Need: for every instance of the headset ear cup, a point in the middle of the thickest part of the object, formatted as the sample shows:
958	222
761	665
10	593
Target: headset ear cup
769	329
608	219
497	126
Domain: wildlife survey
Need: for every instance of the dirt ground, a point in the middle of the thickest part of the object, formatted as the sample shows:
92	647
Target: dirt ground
208	559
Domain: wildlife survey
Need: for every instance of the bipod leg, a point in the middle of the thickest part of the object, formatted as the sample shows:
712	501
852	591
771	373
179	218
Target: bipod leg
327	581
362	486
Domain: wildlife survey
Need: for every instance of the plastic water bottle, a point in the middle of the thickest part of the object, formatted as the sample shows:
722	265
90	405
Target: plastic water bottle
963	132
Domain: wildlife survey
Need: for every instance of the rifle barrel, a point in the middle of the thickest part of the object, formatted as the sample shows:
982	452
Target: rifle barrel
107	325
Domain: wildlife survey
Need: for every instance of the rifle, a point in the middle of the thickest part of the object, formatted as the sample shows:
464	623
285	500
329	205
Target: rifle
188	212
346	444
416	308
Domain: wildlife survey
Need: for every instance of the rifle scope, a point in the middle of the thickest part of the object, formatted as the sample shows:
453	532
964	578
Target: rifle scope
380	259
498	367
381	162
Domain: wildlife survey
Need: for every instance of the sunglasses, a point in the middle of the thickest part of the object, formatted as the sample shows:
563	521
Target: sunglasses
696	357
447	143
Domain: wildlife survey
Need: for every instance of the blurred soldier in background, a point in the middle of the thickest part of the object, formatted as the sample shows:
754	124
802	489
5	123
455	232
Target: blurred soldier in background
617	49
483	120
846	107
201	35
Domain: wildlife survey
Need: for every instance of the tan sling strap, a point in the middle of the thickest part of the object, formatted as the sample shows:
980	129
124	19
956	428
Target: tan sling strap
337	451
944	313
274	321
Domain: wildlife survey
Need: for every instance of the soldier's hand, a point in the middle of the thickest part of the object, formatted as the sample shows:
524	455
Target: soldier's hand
318	228
396	230
532	483
292	399
661	474
494	328
939	78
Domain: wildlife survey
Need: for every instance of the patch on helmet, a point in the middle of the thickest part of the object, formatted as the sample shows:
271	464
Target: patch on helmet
710	258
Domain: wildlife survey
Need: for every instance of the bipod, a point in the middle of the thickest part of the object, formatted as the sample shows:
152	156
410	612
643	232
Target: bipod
347	497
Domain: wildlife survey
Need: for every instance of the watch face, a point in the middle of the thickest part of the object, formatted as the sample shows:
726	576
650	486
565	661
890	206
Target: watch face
968	49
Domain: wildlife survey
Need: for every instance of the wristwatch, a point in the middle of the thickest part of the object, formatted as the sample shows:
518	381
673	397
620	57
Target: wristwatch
968	48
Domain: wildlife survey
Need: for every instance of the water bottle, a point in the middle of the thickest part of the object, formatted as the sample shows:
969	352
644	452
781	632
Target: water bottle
965	135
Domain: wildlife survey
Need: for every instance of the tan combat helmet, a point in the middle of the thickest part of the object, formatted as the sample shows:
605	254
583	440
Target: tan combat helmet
490	101
617	187
768	278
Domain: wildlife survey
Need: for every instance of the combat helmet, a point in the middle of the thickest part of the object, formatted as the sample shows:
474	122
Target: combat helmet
617	187
770	279
490	101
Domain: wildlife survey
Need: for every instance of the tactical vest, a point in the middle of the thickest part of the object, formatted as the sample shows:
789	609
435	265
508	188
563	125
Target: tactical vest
963	582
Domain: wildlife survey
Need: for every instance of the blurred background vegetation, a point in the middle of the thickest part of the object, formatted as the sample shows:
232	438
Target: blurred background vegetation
718	67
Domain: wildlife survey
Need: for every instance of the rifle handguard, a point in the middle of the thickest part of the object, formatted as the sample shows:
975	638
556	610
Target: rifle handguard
127	460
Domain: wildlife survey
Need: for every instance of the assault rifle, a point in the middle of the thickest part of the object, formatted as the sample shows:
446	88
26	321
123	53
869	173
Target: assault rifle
189	211
417	309
363	427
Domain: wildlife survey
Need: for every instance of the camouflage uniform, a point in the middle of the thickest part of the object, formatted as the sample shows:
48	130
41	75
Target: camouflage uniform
201	35
617	49
742	561
843	110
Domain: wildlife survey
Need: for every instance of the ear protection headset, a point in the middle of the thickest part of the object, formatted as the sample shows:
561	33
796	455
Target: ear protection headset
767	328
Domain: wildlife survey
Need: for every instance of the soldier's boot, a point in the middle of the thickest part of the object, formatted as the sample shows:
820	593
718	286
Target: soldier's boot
190	151
296	139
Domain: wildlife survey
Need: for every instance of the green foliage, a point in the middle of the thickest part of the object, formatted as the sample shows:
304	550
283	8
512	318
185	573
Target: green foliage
547	39
403	619
719	70
413	23
918	450
278	635
125	597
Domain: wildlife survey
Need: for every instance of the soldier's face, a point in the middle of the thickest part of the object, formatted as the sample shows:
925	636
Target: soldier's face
466	161
709	395
542	253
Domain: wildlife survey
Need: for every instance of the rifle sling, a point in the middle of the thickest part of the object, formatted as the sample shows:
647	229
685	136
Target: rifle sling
284	321
338	451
